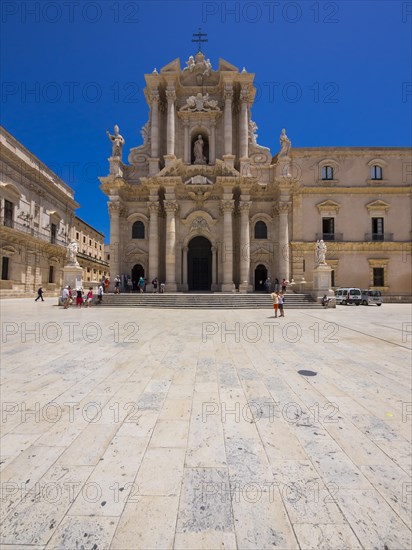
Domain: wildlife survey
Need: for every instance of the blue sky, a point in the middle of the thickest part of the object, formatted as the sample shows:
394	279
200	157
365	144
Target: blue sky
332	73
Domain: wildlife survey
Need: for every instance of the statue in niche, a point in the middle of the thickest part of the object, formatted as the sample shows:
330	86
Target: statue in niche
321	252
285	144
118	142
198	150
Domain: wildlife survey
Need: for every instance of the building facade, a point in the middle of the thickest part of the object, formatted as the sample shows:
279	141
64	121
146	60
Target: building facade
91	256
202	206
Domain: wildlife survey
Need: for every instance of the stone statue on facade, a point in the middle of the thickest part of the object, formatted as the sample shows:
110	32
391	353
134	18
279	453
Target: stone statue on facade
118	142
252	132
199	64
285	144
320	252
198	150
190	64
200	102
72	250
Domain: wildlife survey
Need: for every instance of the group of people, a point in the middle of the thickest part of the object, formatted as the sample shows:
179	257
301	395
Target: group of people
81	297
278	302
276	285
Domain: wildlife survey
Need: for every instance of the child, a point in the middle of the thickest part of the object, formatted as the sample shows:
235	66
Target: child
275	299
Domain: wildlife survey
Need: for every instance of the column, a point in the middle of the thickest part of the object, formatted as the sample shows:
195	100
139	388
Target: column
212	149
186	144
214	278
171	97
227	246
171	209
228	120
185	251
244	246
243	124
114	211
153	240
155	124
283	210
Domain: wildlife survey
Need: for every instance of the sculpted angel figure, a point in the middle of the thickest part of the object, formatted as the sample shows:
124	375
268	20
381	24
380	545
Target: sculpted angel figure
190	64
117	140
285	144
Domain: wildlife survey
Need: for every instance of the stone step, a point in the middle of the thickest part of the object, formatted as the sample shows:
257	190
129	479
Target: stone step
206	301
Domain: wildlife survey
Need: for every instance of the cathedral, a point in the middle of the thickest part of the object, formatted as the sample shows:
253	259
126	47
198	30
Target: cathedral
201	206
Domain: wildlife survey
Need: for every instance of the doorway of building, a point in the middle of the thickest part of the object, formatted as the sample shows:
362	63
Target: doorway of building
137	272
199	264
261	274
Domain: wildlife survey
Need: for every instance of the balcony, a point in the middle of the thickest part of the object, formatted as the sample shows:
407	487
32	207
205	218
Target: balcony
27	230
331	237
383	237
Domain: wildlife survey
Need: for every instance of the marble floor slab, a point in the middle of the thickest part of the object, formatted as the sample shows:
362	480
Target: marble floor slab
294	434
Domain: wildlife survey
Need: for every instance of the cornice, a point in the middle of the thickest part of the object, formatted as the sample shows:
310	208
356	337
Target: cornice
393	190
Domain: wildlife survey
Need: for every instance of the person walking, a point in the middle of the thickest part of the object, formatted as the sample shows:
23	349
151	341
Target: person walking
155	284
79	297
141	284
66	297
275	299
100	293
284	285
281	304
129	285
89	297
39	294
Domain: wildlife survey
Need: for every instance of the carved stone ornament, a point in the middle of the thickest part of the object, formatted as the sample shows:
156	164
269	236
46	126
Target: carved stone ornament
200	102
199	64
199	223
145	133
227	206
198	180
252	135
72	250
171	206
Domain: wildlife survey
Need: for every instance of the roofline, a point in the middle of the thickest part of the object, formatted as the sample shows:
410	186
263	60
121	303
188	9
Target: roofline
88	225
352	148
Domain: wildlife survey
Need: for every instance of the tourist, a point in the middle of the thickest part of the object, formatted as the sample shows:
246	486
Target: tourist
284	285
141	284
89	297
39	294
281	301
100	291
162	288
117	285
267	285
275	299
66	297
106	284
79	297
129	284
276	285
155	284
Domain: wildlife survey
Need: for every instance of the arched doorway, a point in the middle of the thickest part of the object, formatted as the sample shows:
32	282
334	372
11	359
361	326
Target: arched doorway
199	264
261	274
137	272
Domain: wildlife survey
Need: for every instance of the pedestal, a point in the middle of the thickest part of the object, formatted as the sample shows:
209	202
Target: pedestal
169	159
229	160
72	276
153	166
322	283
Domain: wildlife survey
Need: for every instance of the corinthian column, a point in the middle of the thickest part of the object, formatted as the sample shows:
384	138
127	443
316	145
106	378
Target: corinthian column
114	212
153	240
244	247
212	151
283	209
243	124
227	207
171	97
171	209
186	144
155	124
228	120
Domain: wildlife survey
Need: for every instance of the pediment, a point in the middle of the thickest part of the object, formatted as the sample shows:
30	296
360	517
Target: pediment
226	66
133	249
378	205
328	205
172	67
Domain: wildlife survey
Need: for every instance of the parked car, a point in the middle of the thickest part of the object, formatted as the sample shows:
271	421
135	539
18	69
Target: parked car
371	297
345	296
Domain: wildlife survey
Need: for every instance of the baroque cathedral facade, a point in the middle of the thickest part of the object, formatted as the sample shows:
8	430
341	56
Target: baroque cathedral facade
201	206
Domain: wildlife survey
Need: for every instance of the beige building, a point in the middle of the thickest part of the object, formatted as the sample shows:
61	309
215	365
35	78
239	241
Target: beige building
91	256
37	221
202	206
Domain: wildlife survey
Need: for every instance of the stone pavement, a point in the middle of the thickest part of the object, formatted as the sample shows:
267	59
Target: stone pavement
157	429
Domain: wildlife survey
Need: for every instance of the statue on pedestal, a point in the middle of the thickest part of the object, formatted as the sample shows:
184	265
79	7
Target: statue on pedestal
320	252
118	142
285	144
72	250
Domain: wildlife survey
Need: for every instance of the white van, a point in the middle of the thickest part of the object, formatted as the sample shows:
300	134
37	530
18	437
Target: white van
371	297
347	296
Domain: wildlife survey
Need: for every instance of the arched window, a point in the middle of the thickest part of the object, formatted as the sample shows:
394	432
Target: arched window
138	230
376	172
261	230
327	172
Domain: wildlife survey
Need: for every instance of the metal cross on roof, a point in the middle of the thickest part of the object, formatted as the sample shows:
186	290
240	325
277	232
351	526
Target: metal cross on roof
199	38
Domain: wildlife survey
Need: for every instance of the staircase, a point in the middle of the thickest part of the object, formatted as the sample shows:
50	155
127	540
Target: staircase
206	301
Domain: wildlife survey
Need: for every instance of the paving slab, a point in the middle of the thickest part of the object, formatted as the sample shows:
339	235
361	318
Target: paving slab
205	429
